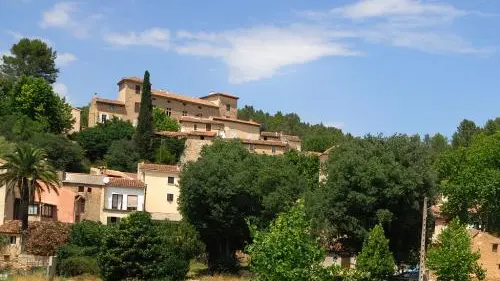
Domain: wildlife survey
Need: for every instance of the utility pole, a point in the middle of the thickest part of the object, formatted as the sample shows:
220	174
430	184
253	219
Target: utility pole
421	274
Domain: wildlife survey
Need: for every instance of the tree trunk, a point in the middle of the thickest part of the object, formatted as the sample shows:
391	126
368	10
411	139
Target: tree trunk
25	198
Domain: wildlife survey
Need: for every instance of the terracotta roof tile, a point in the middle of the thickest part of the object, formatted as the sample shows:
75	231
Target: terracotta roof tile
171	134
225	119
199	120
185	134
107	101
220	94
159	168
132	78
83	178
202	133
120	182
183	98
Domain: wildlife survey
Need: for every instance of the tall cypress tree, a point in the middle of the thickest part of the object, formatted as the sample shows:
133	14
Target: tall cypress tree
144	134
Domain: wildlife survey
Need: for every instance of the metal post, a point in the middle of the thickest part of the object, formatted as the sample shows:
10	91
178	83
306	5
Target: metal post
422	271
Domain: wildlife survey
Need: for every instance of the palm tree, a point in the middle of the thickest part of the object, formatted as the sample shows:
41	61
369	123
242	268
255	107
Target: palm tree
26	172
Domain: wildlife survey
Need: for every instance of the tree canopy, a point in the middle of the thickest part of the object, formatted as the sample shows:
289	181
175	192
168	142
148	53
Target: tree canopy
163	122
375	257
30	57
375	180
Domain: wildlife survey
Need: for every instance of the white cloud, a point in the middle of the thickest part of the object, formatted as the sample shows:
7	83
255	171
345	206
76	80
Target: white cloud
383	8
61	89
64	59
261	52
154	37
64	15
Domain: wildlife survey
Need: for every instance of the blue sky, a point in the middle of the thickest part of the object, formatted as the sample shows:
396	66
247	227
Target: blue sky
379	66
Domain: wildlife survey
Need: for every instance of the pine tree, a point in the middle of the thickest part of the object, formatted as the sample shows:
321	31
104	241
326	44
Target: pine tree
375	257
144	134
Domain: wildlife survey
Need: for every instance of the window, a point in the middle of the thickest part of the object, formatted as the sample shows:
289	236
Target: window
111	107
81	206
48	211
199	115
13	240
195	127
209	127
494	248
137	89
6	257
265	138
184	113
132	202
202	137
113	220
104	118
116	201
251	147
170	197
170	180
89	189
81	188
168	111
228	107
199	107
273	149
184	103
137	107
33	210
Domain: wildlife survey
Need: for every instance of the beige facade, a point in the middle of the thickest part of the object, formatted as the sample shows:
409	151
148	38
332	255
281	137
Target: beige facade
101	110
488	246
162	190
239	129
76	115
88	190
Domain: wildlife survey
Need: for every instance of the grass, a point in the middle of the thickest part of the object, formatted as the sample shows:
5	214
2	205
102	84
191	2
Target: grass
41	277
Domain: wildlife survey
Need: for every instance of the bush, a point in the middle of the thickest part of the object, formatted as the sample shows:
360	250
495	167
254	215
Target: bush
75	266
46	237
87	234
375	257
137	249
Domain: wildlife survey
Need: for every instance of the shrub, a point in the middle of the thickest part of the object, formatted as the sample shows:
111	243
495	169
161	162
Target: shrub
76	265
46	237
375	257
136	249
87	234
288	251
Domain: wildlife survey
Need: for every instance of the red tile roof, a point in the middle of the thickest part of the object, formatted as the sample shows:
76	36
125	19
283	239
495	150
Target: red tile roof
199	120
171	134
226	119
220	94
182	98
120	182
185	134
159	168
107	101
202	133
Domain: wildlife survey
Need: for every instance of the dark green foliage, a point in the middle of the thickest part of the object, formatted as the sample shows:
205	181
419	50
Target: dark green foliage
6	147
19	128
287	251
452	257
465	133
307	165
163	156
183	235
134	249
229	185
35	98
372	180
62	153
87	234
375	257
144	133
314	137
122	156
174	146
97	140
163	122
78	265
30	57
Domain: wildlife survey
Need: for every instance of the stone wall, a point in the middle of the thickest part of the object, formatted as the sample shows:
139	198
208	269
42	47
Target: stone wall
193	149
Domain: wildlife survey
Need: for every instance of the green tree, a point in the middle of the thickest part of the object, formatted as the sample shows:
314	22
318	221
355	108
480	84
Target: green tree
492	126
27	172
452	258
122	156
144	133
84	117
228	186
163	122
62	154
163	155
5	147
470	178
373	180
465	133
288	250
375	257
134	249
35	98
30	57
97	140
19	128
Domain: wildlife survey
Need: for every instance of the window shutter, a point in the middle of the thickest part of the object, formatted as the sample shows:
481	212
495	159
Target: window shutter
108	221
132	201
